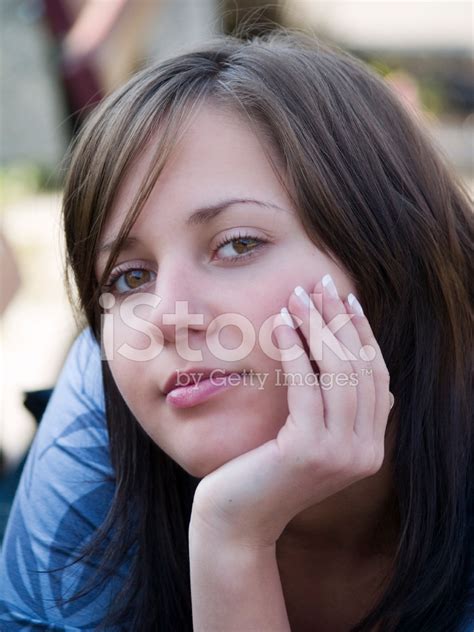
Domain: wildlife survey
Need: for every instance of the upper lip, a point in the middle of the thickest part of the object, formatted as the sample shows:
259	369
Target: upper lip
196	373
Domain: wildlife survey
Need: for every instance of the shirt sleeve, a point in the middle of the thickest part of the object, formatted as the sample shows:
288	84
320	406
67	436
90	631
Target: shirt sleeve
64	493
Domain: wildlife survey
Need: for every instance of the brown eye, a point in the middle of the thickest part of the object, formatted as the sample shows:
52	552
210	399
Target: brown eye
126	280
243	245
135	278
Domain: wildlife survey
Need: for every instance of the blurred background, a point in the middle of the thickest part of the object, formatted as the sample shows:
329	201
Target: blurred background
61	57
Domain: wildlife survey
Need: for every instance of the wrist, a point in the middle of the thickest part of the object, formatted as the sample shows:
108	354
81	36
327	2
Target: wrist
206	527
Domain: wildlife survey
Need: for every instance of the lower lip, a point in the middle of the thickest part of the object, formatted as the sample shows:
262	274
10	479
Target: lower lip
187	396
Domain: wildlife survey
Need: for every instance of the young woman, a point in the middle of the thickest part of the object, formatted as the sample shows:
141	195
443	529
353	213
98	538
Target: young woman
270	253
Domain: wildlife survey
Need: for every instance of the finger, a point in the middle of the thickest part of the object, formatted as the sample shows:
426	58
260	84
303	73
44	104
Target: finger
379	368
304	398
340	400
361	379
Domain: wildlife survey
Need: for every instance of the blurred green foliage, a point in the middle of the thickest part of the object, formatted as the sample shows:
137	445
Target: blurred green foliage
23	179
433	96
432	92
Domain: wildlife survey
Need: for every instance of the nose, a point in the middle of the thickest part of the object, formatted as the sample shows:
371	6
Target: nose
181	305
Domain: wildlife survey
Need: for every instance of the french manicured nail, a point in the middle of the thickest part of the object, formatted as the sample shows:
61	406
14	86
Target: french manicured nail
354	303
303	296
285	314
329	286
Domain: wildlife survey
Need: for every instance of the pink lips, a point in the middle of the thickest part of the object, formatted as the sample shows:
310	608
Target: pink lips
187	396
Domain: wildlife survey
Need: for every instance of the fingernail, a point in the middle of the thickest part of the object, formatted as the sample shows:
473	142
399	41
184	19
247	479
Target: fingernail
285	314
302	295
392	400
329	285
354	303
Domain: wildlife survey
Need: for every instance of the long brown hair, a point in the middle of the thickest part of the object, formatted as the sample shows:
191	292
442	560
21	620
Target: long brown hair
371	192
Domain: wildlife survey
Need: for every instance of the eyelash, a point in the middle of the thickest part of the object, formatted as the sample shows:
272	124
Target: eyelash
229	239
115	276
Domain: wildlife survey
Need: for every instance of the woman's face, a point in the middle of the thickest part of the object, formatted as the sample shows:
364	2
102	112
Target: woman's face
219	158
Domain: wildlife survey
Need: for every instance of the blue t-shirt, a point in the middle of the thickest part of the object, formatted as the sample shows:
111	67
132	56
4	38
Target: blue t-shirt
64	493
65	490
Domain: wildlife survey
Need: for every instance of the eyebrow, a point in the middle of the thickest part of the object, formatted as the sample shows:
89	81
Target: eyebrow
198	217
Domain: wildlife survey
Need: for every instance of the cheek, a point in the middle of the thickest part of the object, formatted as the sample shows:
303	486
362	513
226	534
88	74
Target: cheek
130	377
132	328
131	359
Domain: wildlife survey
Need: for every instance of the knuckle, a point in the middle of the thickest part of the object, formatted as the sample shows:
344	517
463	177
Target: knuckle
343	462
379	457
374	460
346	461
368	460
334	458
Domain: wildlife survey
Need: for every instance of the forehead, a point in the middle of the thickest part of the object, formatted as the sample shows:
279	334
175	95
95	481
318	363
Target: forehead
218	156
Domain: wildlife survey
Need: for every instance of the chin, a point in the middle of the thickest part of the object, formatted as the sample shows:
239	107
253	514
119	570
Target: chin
201	467
198	471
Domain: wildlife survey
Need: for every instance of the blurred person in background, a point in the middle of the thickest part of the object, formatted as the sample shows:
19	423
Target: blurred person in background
99	45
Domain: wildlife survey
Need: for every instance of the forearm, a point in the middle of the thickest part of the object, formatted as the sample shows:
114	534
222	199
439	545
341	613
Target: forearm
234	588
